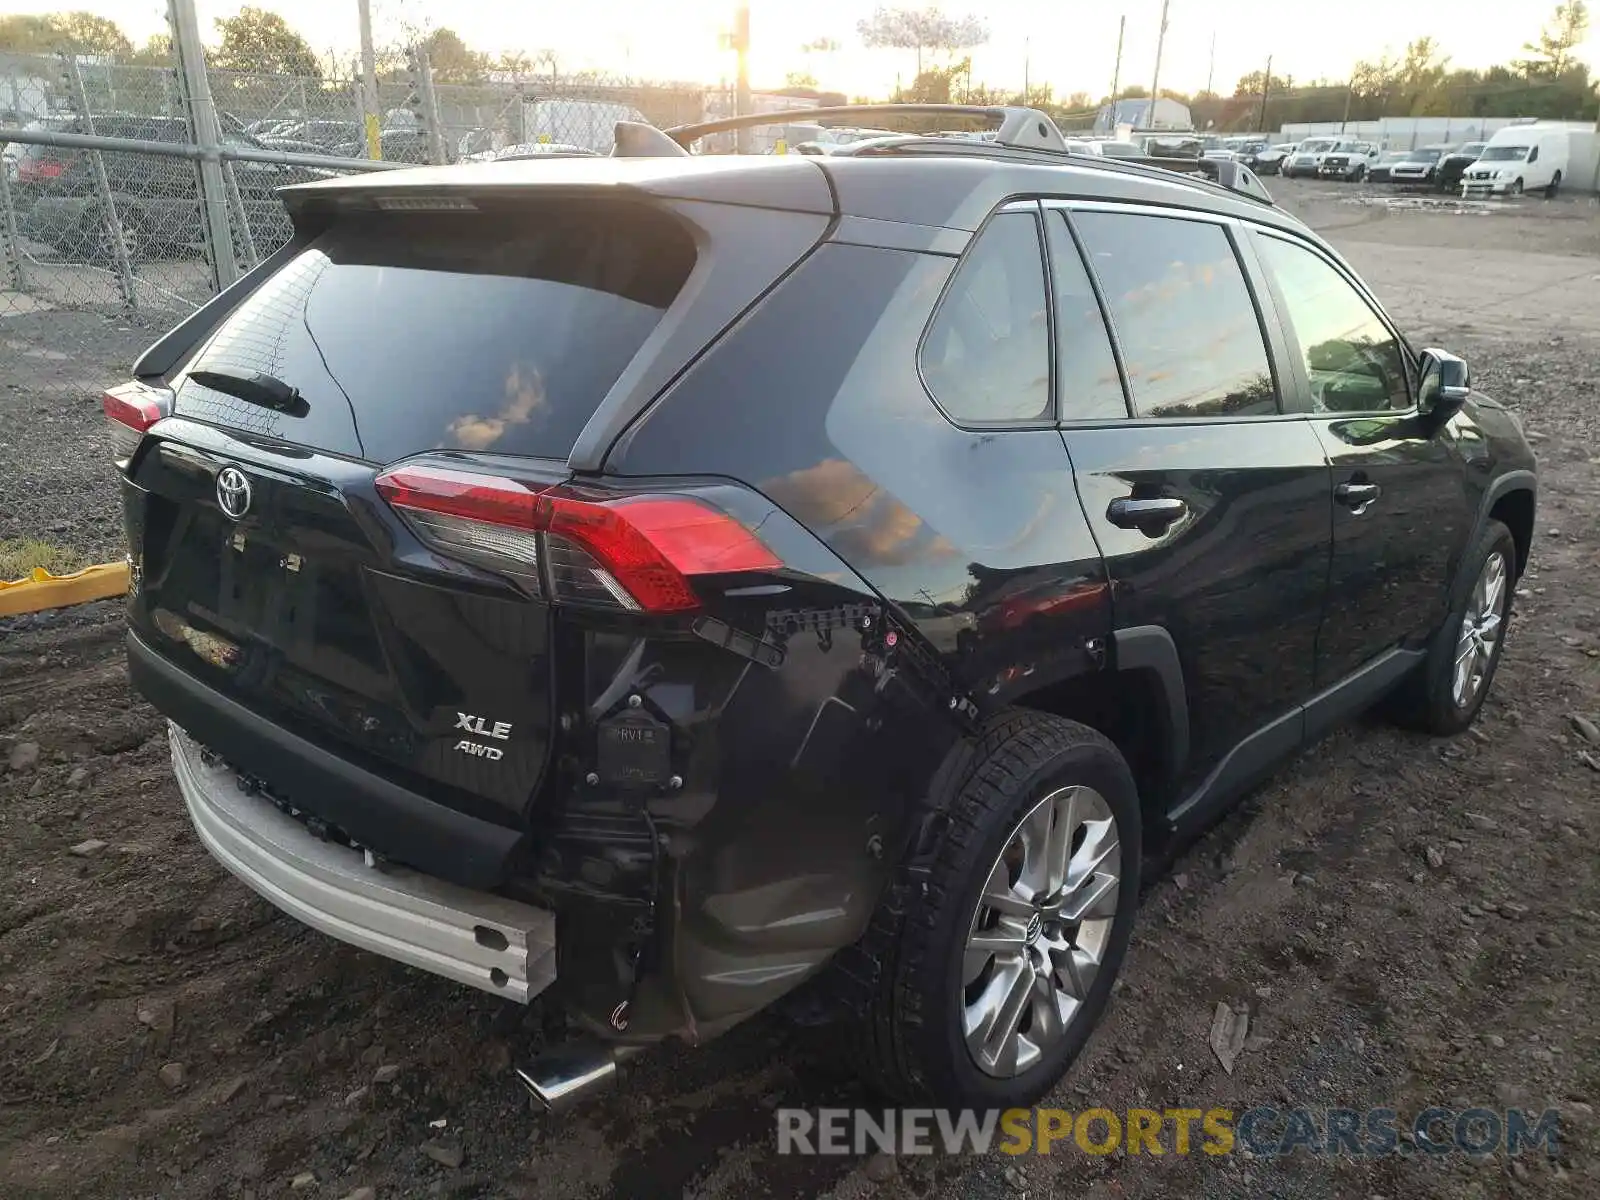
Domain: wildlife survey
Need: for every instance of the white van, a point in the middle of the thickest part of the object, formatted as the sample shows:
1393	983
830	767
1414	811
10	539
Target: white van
1520	158
587	124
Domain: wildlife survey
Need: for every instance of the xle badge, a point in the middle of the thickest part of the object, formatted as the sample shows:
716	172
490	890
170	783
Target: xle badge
498	730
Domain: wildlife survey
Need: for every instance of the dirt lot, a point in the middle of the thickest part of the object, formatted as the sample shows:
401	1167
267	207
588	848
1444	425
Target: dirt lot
1408	922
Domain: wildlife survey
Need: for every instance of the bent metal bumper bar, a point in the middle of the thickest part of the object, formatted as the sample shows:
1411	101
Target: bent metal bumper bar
486	941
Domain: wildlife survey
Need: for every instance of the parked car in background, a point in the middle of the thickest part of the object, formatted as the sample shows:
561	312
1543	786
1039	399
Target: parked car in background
1233	148
315	137
1307	157
522	151
1107	148
474	142
1420	165
1348	159
1380	171
395	145
1518	159
1268	159
269	126
1170	145
156	199
26	164
1447	175
832	138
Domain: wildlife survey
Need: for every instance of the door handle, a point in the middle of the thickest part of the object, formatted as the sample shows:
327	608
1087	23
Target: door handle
1356	496
1150	517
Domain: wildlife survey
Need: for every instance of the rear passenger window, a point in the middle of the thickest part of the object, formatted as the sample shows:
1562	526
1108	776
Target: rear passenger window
1352	360
987	354
1191	340
1090	387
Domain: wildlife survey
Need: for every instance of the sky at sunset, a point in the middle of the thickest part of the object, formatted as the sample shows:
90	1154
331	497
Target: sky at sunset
1070	45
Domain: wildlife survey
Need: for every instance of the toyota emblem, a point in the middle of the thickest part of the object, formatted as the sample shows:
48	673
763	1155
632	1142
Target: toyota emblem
233	492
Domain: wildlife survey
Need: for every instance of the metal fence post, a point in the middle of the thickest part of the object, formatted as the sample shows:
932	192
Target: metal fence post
230	172
430	106
8	226
115	235
202	112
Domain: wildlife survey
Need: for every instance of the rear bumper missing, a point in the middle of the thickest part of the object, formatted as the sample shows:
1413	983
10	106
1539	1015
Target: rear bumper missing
473	937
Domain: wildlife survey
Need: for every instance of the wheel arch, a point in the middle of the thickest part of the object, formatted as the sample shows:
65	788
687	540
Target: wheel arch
1515	510
1512	500
1138	701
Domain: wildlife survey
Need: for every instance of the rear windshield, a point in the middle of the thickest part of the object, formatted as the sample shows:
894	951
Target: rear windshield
404	332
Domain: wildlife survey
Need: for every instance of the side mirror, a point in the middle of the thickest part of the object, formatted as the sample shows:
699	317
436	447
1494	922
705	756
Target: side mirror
1446	383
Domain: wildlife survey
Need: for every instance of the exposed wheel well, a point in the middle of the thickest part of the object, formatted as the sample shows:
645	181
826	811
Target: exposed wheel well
1127	707
1515	511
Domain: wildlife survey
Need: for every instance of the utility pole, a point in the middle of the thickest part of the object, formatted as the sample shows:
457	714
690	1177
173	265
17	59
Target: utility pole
1155	80
202	113
369	82
1116	71
1266	86
1027	60
1211	70
741	96
1349	91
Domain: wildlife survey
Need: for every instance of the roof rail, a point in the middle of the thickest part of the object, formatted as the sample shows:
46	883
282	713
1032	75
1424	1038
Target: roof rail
1232	177
1017	129
1015	126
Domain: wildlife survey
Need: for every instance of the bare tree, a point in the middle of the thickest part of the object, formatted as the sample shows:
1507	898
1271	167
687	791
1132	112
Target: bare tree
1552	53
920	30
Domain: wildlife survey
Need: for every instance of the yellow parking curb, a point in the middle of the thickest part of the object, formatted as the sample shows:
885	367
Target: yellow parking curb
43	590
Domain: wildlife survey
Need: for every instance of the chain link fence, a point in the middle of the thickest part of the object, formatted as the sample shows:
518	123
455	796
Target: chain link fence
105	235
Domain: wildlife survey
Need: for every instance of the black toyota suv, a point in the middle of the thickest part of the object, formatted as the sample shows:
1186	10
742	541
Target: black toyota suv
528	610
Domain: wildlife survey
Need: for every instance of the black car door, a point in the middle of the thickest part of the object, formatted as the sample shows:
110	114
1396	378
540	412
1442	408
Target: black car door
1401	513
1208	499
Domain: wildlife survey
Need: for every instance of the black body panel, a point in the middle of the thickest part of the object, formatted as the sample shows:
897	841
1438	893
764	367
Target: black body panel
977	538
371	809
1238	582
1392	564
320	610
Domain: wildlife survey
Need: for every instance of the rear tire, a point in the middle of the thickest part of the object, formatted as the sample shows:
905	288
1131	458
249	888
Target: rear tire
1436	698
1554	186
969	1004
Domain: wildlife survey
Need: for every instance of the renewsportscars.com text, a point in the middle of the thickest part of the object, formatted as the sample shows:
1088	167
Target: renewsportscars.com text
1264	1131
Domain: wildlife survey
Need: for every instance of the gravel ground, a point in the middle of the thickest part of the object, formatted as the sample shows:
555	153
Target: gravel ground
1407	921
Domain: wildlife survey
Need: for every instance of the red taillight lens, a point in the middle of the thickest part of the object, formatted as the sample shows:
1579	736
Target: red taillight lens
130	410
630	552
32	170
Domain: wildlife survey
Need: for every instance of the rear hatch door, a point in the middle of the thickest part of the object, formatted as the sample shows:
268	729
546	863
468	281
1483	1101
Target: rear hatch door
270	567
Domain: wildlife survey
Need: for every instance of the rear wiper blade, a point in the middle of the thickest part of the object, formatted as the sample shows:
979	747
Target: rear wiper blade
255	388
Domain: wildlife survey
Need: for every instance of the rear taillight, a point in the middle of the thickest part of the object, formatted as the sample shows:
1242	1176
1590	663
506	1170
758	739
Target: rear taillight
130	410
576	545
34	170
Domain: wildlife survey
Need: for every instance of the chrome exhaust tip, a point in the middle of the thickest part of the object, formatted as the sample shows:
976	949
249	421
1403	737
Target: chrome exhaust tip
562	1077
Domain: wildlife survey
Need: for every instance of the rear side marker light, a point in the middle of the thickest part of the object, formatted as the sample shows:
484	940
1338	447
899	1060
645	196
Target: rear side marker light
130	411
636	553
